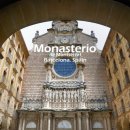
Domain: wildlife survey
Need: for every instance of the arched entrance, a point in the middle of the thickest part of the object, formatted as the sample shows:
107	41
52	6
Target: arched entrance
27	12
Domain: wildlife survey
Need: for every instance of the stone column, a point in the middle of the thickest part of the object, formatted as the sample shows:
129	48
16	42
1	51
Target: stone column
105	123
74	122
38	120
87	121
90	122
49	121
53	123
108	123
79	121
41	120
23	124
20	121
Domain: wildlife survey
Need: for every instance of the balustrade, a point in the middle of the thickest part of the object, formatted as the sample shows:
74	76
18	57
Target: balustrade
66	100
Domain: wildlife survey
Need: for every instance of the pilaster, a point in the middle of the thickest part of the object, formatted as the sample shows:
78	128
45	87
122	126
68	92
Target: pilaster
41	121
79	120
108	122
74	122
53	122
87	121
49	121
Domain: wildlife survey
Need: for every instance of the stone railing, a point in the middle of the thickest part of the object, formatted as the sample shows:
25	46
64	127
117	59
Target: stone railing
76	105
65	95
70	102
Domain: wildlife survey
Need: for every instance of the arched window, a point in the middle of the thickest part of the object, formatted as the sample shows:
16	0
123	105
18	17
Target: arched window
114	65
113	94
21	70
16	61
17	89
118	39
18	47
9	51
8	102
31	125
23	57
12	82
15	106
115	111
4	76
119	86
17	93
121	54
64	124
97	125
127	79
12	86
109	74
1	92
112	51
122	105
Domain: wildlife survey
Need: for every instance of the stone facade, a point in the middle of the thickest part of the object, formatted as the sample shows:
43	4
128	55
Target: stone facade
14	54
76	102
117	55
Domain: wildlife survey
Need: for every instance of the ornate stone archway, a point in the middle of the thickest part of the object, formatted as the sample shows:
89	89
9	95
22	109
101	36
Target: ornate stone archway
27	12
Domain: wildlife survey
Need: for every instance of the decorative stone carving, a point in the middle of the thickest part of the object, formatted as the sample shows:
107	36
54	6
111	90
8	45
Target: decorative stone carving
65	84
65	32
64	40
62	26
65	99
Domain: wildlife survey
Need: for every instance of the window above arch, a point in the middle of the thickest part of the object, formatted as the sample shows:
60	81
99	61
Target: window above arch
64	124
97	125
31	125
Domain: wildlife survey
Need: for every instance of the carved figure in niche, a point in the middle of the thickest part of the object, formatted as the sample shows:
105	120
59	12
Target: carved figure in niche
74	39
64	40
56	40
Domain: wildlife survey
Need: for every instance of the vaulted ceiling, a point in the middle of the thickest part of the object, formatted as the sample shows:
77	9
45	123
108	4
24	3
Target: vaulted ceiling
4	3
16	14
